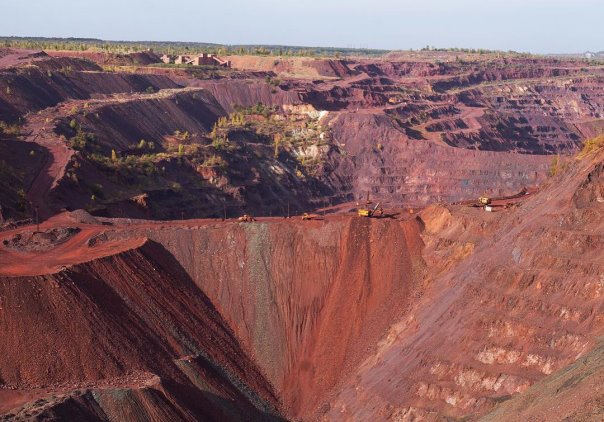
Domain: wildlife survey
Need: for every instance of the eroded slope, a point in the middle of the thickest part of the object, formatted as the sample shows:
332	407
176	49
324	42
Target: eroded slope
106	323
512	297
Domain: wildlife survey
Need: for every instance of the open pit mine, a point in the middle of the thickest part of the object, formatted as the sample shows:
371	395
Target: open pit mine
418	237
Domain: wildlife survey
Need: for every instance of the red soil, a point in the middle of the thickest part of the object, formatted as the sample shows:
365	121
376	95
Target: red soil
139	58
481	311
512	297
440	316
10	57
389	131
117	320
302	304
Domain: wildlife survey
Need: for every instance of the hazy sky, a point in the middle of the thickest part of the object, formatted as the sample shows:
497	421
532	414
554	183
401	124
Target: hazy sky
540	26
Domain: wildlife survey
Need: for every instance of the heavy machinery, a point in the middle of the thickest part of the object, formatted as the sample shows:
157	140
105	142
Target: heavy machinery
367	211
245	218
307	216
376	211
484	200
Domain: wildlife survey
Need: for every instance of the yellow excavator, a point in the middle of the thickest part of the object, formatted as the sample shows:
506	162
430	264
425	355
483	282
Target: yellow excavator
307	216
367	211
246	218
484	200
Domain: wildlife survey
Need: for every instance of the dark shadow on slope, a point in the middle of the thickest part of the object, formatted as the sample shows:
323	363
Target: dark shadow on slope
155	314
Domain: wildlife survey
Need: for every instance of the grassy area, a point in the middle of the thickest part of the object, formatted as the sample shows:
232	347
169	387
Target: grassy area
591	145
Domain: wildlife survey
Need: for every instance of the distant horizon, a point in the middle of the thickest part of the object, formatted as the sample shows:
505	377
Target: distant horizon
218	44
526	26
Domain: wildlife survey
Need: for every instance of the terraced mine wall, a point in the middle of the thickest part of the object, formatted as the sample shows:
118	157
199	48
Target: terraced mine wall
247	93
447	315
409	133
49	82
511	299
116	125
381	160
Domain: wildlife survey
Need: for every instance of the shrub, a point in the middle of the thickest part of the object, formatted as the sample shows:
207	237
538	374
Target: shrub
11	130
591	145
113	155
220	142
183	136
237	119
555	166
97	190
277	140
81	139
222	122
215	161
150	90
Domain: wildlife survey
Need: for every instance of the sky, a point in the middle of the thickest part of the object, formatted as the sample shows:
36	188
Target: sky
536	26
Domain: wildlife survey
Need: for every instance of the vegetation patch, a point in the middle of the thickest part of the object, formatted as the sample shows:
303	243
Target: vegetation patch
591	145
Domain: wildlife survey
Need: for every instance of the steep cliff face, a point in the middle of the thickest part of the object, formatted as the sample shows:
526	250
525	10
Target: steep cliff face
269	314
307	300
445	315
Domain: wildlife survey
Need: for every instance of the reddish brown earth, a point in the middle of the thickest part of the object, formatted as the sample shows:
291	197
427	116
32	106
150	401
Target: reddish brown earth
409	130
572	393
441	312
290	318
446	314
138	58
513	296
